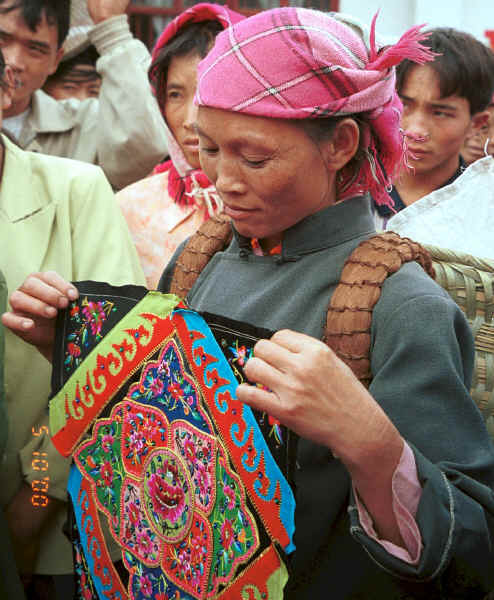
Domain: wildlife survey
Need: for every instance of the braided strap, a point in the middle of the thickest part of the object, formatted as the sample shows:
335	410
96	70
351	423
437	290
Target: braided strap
349	315
213	236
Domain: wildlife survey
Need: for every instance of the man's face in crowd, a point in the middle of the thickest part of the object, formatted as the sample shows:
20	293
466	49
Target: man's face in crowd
33	55
438	126
81	82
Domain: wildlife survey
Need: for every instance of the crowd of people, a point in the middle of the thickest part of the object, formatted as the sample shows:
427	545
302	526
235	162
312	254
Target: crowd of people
306	136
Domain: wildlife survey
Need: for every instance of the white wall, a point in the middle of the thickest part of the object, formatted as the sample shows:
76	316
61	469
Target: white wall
474	16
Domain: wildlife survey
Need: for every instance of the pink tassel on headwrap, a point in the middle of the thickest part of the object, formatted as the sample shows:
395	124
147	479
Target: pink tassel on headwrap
407	47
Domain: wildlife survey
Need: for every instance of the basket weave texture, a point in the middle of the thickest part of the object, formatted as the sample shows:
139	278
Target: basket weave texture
470	282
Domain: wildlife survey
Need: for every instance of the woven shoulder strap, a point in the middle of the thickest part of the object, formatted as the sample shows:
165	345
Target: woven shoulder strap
213	236
349	315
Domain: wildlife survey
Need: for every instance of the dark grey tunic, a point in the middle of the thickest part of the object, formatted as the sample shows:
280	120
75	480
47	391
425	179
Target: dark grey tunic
421	359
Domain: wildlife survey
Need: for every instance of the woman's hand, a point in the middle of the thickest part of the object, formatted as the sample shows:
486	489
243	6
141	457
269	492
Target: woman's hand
317	395
34	307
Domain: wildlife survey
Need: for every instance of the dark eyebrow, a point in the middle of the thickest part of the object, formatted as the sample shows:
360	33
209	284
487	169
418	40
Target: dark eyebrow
40	45
443	106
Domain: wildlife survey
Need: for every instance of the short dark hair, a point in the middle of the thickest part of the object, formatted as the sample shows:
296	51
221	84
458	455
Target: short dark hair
194	38
88	56
465	67
57	13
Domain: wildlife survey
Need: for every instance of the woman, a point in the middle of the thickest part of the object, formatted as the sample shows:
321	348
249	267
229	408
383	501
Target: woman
163	210
394	483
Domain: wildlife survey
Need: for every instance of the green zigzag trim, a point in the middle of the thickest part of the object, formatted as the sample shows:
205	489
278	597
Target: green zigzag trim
155	303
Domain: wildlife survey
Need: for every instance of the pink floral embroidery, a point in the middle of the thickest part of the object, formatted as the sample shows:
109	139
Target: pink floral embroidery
230	494
85	321
157	387
106	442
146	586
95	314
144	543
166	492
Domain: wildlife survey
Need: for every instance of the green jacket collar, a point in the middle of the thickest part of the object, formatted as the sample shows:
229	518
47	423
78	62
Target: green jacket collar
18	197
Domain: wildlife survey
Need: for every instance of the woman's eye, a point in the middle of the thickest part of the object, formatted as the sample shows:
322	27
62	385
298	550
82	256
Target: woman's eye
442	114
209	151
253	162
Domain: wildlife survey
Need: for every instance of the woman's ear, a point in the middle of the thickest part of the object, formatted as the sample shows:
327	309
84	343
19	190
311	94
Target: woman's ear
343	145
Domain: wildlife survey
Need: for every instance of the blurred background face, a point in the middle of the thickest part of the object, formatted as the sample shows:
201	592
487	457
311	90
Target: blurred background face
480	143
440	124
180	111
81	82
33	55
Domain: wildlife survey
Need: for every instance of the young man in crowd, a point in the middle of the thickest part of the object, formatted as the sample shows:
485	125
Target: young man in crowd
123	130
443	101
55	215
76	77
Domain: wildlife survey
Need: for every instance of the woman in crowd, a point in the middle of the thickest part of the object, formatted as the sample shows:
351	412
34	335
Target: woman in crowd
163	210
394	483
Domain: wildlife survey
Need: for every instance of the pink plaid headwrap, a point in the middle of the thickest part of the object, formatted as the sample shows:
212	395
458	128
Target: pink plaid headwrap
297	63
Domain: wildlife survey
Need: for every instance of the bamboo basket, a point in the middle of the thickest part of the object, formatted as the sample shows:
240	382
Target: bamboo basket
470	282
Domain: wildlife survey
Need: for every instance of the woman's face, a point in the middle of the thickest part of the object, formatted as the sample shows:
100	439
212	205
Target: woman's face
180	111
268	172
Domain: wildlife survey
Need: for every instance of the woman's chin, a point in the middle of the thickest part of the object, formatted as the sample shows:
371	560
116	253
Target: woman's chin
192	158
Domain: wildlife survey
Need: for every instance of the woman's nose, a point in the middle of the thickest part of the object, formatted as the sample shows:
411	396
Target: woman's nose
190	114
228	180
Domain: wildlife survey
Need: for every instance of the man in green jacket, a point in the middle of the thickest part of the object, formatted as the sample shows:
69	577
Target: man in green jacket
55	215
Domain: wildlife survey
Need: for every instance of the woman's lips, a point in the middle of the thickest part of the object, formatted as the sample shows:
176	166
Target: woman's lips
192	144
418	152
238	213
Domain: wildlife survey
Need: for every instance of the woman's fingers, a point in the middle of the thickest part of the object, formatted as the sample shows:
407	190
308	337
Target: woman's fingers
26	305
17	322
35	305
259	371
41	295
292	340
49	288
259	399
274	354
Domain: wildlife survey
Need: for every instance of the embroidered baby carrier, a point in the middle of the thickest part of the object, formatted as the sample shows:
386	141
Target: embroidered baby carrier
349	314
174	490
